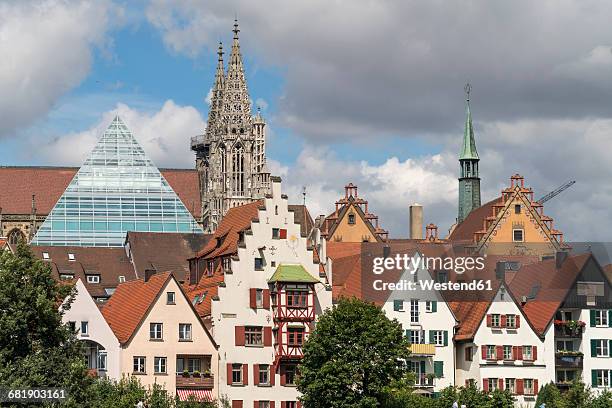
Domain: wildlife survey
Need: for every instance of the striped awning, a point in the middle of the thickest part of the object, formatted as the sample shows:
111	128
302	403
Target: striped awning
200	395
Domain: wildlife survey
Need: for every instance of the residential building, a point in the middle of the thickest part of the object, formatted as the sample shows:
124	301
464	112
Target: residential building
162	339
231	154
260	286
101	346
351	221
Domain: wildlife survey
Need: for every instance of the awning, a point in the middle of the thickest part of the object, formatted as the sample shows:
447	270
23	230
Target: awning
200	395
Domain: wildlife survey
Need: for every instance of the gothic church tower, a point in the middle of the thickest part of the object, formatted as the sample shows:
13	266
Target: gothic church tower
469	181
231	155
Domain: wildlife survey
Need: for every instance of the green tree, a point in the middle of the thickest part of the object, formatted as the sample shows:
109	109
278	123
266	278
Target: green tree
500	399
604	400
471	396
353	354
448	396
578	396
36	349
549	394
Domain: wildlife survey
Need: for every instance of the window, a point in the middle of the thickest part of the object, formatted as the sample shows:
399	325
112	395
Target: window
565	345
491	353
297	298
493	384
258	264
398	305
414	311
601	348
170	298
185	331
495	320
93	278
351	219
253	336
194	364
46	256
72	326
227	265
528	386
15	236
601	318
510	385
155	331
290	404
469	356
517	235
66	276
442	276
511	321
602	378
431	306
438	337
295	336
528	353
102	361
71	257
508	353
159	365
139	365
259	298
517	208
264	404
417	336
275	233
264	374
236	373
121	278
290	374
84	328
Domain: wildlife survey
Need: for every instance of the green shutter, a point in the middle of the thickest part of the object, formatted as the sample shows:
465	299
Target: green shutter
408	333
592	318
423	367
610	348
594	378
610	318
445	337
397	305
434	306
593	348
439	369
432	339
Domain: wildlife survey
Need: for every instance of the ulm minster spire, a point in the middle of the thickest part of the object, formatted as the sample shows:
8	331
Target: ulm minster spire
469	180
230	156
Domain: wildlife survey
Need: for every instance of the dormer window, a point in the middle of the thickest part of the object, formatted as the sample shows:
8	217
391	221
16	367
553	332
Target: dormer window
71	257
45	256
93	278
121	278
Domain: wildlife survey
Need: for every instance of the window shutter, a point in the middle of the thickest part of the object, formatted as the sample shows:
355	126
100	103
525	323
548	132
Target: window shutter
500	352
485	385
434	306
534	352
484	352
592	318
255	374
423	367
504	320
515	352
432	339
519	386
283	404
535	387
439	369
253	298
236	403
593	348
594	378
271	404
239	335
519	352
610	318
445	337
397	305
299	404
518	321
266	298
408	333
229	374
283	380
500	383
610	348
245	374
267	332
489	320
255	404
282	233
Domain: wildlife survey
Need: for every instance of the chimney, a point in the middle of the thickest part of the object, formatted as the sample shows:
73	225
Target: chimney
560	257
500	270
416	221
276	186
148	274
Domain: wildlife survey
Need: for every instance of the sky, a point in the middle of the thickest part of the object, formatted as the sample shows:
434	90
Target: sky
368	92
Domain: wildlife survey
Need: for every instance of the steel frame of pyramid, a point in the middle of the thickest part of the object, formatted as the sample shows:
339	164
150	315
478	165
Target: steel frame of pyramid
118	189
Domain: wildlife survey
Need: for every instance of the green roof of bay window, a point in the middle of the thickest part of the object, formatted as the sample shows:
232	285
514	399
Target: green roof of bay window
293	273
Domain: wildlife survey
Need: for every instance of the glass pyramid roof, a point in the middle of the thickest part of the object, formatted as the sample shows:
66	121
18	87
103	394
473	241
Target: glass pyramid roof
117	189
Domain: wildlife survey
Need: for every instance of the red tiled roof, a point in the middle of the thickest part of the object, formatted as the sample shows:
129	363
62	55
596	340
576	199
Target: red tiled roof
48	184
130	303
474	222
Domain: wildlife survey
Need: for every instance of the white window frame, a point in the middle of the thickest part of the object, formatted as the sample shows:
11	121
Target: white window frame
528	384
493	355
602	316
264	404
511	318
93	278
254	336
602	348
418	336
522	234
154	333
121	278
45	256
493	384
414	310
507	356
85	325
140	362
160	365
495	320
259	298
528	356
603	378
438	337
428	306
185	332
170	298
264	370
71	256
102	361
237	368
510	384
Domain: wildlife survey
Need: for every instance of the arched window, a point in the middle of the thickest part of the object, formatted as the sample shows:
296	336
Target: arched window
15	236
238	176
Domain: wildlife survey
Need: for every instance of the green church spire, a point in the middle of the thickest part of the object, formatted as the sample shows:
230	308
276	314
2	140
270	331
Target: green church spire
469	180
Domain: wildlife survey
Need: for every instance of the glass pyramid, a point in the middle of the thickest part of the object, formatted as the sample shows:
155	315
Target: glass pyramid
118	189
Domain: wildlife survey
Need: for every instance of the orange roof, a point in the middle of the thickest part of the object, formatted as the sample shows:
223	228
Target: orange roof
130	304
553	285
474	222
469	314
48	184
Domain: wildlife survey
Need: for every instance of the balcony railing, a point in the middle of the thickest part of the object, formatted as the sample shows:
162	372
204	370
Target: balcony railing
569	328
568	360
424	380
195	381
422	349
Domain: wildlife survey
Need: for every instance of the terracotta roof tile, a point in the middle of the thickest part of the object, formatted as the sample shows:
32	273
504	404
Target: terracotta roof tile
130	303
473	223
48	184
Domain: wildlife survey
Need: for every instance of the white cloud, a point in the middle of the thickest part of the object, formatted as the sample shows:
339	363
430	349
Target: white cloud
164	135
46	51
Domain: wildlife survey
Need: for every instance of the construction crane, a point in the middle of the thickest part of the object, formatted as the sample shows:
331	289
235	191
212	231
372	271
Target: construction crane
556	192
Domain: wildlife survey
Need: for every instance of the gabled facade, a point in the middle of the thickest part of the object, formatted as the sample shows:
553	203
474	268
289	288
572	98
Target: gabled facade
263	287
504	351
163	340
429	324
351	221
514	224
101	346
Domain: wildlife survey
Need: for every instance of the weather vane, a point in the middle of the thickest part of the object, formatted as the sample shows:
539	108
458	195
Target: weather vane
468	89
